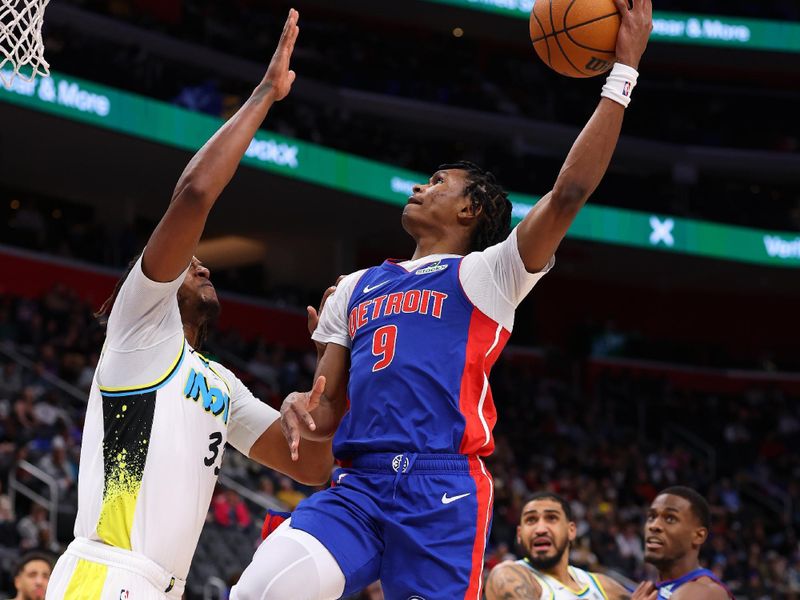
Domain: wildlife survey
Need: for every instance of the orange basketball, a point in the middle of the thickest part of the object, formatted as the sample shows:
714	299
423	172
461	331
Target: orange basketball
576	38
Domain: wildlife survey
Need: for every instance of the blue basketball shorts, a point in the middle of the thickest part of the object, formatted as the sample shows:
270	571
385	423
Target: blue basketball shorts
417	522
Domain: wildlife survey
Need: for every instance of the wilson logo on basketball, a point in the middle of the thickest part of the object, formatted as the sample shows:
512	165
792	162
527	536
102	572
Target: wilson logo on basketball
597	64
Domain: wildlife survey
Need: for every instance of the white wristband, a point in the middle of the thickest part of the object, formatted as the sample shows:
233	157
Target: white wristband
620	83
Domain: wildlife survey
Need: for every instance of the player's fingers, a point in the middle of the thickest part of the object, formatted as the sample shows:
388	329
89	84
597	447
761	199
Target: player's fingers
301	414
291	431
304	416
287	24
316	392
645	591
622	7
289	33
325	297
312	319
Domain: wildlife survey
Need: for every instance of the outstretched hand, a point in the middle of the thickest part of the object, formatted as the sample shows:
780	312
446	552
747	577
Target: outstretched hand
634	30
296	413
279	77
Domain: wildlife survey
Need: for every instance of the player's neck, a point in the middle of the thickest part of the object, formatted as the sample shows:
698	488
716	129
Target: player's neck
679	568
439	245
561	573
192	334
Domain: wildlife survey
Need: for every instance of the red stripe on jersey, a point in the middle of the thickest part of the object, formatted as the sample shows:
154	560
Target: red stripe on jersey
485	340
485	491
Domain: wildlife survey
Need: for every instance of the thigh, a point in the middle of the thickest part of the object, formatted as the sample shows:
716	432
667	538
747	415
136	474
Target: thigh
60	577
346	519
436	536
123	584
76	578
290	564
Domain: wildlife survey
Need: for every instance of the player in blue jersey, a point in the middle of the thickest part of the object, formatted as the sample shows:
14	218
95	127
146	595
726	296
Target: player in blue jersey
409	348
677	526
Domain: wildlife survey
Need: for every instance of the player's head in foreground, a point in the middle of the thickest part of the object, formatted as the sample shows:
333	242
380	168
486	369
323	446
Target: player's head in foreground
676	527
461	209
31	575
197	300
546	531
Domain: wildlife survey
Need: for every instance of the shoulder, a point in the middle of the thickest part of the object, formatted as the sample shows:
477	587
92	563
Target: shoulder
611	587
345	288
704	587
511	581
224	373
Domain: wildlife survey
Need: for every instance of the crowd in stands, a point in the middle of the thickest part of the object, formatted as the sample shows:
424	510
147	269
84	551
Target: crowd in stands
608	442
671	105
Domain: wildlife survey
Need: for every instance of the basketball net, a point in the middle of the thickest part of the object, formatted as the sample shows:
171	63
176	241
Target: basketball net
21	44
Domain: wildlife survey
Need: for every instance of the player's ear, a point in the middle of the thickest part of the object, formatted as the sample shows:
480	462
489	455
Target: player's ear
700	536
469	211
572	530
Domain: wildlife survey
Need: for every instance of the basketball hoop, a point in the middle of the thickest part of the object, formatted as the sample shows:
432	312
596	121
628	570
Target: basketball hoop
21	44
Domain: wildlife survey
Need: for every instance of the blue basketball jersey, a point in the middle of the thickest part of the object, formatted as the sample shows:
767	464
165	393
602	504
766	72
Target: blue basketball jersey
667	588
420	361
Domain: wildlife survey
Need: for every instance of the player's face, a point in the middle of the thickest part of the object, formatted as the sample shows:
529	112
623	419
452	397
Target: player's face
197	293
31	583
671	531
438	203
545	533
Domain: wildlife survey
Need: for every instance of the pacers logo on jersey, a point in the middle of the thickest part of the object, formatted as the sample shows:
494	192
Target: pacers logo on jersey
214	400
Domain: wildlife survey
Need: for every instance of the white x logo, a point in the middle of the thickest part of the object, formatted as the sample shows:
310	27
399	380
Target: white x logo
662	231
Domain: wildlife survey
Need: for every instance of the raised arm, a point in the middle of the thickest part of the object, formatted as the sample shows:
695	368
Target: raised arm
543	228
175	239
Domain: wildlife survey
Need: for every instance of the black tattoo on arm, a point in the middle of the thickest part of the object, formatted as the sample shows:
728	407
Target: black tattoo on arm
511	583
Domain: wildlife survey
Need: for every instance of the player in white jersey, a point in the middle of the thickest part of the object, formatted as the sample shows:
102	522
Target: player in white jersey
546	531
159	412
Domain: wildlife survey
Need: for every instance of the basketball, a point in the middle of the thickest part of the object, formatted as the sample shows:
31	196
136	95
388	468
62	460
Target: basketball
576	38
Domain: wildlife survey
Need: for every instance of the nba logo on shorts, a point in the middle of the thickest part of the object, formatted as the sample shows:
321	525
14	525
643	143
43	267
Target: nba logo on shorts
626	90
124	594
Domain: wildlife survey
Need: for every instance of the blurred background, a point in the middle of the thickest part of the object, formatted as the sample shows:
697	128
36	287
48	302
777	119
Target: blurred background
661	350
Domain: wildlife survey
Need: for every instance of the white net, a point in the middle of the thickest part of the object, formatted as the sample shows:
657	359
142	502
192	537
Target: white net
21	45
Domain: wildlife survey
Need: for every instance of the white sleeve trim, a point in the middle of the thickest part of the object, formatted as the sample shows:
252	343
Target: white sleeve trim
250	417
333	326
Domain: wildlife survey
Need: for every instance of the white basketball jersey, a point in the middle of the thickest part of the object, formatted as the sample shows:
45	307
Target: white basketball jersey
589	587
151	452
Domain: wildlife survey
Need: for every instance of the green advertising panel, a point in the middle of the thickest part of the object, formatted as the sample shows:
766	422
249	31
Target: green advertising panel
160	122
681	28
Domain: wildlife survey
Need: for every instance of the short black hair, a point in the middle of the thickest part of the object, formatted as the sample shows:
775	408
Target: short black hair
30	557
551	496
698	504
484	191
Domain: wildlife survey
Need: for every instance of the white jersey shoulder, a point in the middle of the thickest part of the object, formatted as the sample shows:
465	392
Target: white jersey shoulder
494	280
588	586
